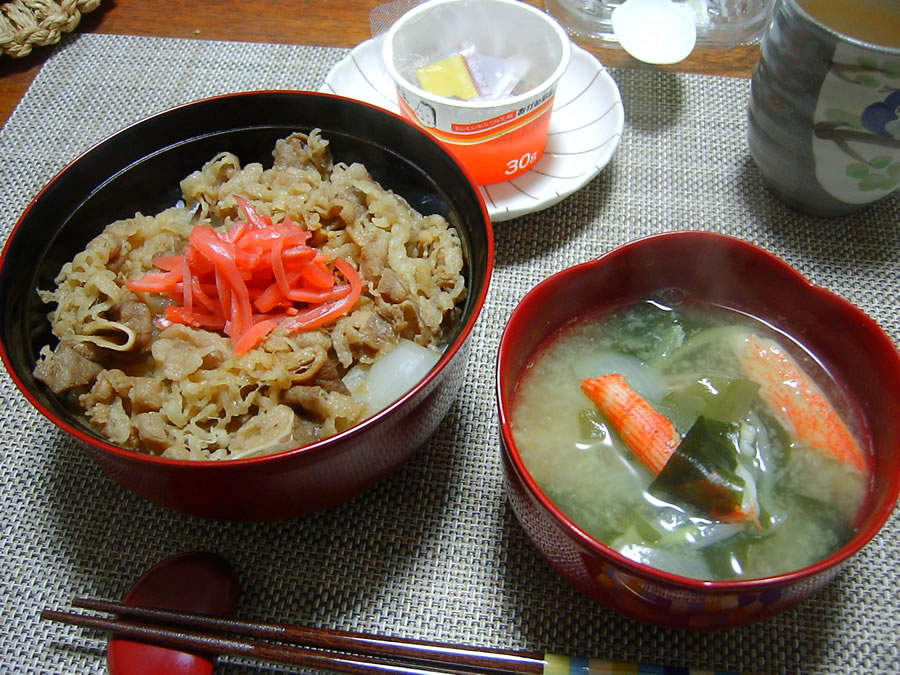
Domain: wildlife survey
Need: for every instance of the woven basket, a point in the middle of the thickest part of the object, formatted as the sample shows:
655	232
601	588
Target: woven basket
28	23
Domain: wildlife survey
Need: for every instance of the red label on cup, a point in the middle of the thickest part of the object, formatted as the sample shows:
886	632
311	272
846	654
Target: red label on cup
484	124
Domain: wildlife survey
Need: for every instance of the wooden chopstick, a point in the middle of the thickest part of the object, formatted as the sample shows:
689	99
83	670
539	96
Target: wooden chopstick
325	649
215	644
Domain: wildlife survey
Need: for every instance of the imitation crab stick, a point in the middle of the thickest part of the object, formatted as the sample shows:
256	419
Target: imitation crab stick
655	441
796	401
647	433
249	280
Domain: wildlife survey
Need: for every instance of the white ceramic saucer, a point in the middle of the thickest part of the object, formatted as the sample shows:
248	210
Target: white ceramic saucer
585	127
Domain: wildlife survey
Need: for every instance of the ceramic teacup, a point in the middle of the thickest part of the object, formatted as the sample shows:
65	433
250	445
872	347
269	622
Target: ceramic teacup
825	102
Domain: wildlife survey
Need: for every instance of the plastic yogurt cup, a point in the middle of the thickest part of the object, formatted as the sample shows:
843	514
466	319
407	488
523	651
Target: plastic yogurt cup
480	76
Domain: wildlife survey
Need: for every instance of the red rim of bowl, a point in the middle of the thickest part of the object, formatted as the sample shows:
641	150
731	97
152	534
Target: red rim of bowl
876	520
311	448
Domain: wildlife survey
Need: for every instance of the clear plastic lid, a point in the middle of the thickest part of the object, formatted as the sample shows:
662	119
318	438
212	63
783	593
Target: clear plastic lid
719	22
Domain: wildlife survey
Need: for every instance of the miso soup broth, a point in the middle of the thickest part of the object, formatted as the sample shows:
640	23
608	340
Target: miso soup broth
757	424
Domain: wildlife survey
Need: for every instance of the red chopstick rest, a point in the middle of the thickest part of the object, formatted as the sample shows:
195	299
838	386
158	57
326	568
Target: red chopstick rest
199	582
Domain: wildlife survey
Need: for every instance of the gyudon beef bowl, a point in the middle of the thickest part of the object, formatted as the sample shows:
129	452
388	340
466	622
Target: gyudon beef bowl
693	434
251	306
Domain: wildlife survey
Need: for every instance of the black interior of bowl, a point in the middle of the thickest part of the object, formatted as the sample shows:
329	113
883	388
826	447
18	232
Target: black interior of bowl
139	170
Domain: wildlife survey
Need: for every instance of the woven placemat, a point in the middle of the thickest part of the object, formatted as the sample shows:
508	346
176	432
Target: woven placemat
434	551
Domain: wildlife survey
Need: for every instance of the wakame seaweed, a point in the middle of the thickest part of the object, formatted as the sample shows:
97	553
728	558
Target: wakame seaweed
703	470
720	398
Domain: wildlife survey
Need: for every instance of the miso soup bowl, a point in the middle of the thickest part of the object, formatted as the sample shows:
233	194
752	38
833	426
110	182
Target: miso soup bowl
863	359
139	169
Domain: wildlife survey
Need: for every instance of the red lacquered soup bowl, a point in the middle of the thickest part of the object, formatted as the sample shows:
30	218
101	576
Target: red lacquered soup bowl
732	273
